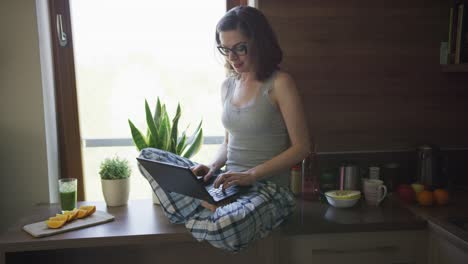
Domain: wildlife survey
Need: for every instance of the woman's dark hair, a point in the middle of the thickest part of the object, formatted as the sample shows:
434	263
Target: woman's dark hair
263	48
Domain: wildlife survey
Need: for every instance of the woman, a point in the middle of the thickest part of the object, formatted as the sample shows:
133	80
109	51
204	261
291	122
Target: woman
266	135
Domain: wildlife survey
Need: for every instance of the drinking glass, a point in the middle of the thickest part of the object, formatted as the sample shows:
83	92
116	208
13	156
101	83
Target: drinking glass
68	193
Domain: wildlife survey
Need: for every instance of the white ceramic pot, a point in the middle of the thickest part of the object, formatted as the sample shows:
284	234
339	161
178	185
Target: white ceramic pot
116	191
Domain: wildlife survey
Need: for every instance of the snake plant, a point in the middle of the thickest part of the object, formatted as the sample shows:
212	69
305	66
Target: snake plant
162	133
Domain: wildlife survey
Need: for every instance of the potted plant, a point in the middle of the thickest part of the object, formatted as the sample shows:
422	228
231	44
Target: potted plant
163	133
115	173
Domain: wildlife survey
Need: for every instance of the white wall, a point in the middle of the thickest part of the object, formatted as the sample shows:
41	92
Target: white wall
23	155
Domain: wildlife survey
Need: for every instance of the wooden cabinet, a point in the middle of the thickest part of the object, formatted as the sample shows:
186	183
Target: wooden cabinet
445	248
368	247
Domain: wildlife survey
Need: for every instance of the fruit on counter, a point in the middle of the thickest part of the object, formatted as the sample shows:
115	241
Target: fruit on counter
406	193
72	215
59	217
55	223
425	198
81	213
441	196
90	209
60	220
417	187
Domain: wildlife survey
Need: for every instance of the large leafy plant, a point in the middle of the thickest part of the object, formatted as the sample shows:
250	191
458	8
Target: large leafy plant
163	133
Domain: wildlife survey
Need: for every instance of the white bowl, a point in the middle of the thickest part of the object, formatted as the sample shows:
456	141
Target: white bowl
342	203
344	194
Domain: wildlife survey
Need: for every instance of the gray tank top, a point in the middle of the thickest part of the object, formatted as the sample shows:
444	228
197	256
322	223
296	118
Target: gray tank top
257	132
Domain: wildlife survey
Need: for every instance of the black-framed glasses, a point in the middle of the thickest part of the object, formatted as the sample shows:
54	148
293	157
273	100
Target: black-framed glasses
240	49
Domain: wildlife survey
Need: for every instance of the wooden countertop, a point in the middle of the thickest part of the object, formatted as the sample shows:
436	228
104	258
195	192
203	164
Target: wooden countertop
141	222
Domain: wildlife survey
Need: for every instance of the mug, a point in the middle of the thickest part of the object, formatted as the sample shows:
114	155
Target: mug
374	191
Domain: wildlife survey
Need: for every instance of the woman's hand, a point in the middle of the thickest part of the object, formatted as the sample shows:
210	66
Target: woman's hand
229	179
203	170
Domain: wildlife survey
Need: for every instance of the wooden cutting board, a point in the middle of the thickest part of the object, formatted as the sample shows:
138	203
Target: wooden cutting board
40	229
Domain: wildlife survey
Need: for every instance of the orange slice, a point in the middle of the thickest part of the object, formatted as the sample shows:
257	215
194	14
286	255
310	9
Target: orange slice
82	213
60	217
71	214
90	209
68	219
55	223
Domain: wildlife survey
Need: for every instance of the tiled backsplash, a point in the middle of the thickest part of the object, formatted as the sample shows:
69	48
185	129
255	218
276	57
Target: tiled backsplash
456	168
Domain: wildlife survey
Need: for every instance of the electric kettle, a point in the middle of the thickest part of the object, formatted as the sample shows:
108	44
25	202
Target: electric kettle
429	167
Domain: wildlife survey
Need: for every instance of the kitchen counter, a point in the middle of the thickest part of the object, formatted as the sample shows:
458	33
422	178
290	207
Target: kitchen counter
440	217
142	222
137	223
319	217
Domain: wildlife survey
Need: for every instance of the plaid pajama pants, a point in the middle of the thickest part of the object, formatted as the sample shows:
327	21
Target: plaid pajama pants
231	227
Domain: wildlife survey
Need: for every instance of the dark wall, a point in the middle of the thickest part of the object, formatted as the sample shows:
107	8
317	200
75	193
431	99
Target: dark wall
369	72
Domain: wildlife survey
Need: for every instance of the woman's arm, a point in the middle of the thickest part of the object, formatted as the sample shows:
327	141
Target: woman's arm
285	95
217	163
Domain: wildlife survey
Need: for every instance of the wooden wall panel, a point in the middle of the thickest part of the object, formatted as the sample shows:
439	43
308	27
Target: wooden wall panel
369	72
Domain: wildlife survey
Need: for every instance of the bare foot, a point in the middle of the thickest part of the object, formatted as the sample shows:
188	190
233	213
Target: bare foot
209	206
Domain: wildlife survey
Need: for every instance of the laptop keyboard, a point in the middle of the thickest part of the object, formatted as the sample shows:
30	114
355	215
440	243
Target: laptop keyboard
220	193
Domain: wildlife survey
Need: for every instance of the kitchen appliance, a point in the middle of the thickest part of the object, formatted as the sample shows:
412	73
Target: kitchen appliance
391	175
350	179
429	166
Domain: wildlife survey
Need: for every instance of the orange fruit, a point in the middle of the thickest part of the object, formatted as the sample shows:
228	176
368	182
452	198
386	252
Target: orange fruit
425	198
55	223
59	217
81	213
68	217
441	196
71	214
90	209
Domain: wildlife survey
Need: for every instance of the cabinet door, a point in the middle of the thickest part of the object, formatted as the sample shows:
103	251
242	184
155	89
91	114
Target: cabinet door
444	248
369	247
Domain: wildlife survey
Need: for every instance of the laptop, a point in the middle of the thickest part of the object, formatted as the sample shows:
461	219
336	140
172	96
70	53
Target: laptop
179	179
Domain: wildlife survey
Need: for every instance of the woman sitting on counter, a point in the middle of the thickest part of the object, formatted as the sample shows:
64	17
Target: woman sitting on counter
266	134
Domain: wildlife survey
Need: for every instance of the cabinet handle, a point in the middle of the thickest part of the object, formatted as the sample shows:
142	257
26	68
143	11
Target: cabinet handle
62	36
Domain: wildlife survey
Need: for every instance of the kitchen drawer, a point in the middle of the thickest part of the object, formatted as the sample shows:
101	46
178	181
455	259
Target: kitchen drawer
363	247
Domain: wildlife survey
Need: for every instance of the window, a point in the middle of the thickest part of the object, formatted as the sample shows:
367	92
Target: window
101	40
143	50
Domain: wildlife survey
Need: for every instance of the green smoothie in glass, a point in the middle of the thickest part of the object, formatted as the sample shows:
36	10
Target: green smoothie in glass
68	200
67	190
